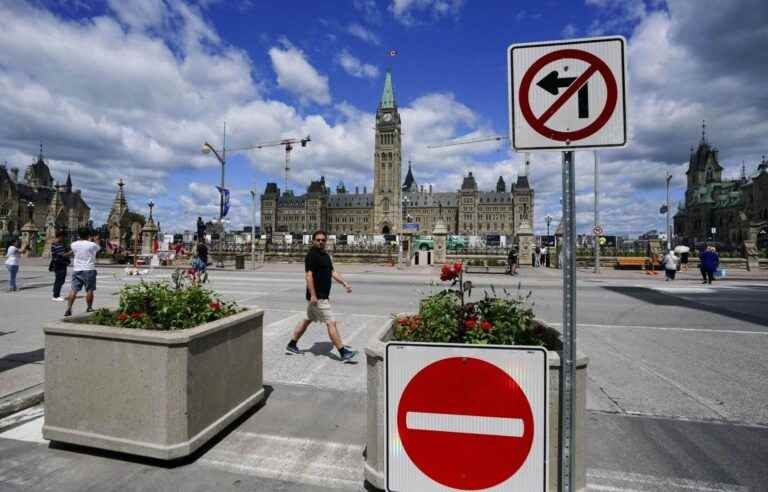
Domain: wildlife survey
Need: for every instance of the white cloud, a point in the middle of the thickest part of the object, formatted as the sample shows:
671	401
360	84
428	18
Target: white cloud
569	31
295	74
139	14
406	11
355	67
361	32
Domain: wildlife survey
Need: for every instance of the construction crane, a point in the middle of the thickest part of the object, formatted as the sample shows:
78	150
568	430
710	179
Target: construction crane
287	143
469	141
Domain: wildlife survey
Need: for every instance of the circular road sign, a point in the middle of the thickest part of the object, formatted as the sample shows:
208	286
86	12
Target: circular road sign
539	123
597	231
465	423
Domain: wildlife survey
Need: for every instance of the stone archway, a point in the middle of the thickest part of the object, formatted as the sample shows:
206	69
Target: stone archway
385	230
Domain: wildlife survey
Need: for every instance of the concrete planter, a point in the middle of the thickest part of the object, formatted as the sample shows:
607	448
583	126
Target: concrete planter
159	394
375	454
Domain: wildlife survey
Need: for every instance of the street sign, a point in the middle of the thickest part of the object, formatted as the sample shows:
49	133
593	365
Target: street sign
410	226
597	230
568	94
466	417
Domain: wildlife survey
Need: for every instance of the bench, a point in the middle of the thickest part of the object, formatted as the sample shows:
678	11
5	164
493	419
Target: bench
632	262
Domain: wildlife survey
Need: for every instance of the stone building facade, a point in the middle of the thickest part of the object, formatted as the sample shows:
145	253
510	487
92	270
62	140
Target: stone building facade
124	226
392	202
54	206
736	209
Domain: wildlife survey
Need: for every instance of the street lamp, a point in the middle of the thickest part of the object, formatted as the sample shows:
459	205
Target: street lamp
222	158
253	229
548	220
31	210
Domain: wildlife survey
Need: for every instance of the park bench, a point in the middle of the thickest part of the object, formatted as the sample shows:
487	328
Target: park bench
632	262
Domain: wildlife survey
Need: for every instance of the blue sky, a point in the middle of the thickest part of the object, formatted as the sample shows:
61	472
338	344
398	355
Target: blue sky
132	89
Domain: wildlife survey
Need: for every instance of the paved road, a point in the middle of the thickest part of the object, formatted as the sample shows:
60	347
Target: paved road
677	389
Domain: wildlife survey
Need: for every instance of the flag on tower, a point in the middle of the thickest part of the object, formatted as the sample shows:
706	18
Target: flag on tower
393	52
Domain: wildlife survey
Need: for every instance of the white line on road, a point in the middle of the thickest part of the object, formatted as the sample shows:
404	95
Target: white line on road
665	328
465	424
652	482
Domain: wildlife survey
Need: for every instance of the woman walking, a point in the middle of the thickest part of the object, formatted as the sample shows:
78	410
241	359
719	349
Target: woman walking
670	263
709	263
12	261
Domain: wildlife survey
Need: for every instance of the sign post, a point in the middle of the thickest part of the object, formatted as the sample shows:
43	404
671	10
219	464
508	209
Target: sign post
597	216
567	95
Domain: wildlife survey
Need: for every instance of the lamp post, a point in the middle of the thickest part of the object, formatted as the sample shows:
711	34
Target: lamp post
548	220
253	229
669	235
207	149
31	211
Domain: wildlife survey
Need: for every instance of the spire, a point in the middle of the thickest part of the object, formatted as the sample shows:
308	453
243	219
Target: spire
388	94
703	131
501	186
40	156
119	205
68	184
409	179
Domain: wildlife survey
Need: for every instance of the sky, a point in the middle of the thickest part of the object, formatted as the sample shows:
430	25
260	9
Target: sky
132	89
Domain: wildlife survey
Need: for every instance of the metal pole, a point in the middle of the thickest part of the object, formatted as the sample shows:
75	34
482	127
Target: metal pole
597	215
669	234
221	196
253	230
568	354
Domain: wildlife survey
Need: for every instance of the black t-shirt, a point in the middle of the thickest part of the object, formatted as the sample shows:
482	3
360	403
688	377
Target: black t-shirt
57	255
319	263
202	252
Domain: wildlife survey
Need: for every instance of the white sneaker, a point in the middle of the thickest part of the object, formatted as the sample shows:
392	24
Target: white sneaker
57	299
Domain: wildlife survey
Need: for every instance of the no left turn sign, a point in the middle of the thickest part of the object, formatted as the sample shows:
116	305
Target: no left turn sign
568	94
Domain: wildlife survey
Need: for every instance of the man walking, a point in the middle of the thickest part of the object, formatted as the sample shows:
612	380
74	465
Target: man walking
319	272
59	263
709	262
84	269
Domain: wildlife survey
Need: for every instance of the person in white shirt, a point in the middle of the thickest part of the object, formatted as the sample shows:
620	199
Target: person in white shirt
83	269
670	262
13	259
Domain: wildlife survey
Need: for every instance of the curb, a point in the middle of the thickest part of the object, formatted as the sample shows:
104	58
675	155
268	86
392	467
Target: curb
21	400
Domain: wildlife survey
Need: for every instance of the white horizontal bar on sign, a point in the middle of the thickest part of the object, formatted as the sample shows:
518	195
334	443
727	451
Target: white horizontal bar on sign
465	424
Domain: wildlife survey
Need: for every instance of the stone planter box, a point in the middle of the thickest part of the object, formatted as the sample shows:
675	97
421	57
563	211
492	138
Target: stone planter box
376	451
159	394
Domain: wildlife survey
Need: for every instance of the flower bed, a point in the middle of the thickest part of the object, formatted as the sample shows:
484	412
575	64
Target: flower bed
182	303
448	317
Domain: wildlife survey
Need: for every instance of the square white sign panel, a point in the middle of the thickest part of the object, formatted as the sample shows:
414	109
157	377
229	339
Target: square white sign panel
568	94
466	417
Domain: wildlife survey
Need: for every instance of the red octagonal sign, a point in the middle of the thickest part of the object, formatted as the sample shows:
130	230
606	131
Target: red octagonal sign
465	423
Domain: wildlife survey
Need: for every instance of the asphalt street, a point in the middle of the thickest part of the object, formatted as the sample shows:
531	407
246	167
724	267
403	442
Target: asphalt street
677	383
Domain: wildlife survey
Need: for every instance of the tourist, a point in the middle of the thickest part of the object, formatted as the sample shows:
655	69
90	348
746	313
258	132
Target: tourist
543	260
670	262
12	262
536	256
709	261
59	262
200	261
83	270
512	261
319	272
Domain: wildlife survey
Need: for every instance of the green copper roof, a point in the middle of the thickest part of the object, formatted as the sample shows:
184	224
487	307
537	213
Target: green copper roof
388	95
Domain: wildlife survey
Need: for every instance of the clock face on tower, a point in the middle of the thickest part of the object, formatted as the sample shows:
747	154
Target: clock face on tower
387	117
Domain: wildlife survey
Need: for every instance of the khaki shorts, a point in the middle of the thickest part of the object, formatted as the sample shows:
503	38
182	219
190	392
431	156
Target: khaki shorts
320	312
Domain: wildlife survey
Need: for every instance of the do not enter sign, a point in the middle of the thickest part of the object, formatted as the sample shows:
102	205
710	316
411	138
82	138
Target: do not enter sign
466	417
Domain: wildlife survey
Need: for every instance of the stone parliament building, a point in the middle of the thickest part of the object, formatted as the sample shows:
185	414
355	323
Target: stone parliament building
51	206
731	212
393	201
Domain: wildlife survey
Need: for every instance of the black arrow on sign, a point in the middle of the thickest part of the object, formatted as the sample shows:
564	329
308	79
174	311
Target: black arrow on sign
553	82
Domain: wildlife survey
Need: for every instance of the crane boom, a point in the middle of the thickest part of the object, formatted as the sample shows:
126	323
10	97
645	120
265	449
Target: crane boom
469	141
287	143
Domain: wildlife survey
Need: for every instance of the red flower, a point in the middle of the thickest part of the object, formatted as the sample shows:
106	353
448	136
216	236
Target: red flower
486	325
403	321
191	271
470	324
457	267
137	315
448	272
215	306
122	316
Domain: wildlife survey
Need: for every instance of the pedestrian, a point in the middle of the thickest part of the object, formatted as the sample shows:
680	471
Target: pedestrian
709	261
318	273
684	260
200	261
512	261
59	263
536	256
543	260
13	261
670	262
84	269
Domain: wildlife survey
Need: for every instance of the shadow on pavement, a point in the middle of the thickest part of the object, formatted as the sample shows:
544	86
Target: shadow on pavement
657	298
187	460
20	358
324	349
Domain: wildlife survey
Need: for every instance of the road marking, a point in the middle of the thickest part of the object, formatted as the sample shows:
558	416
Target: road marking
616	479
465	424
665	328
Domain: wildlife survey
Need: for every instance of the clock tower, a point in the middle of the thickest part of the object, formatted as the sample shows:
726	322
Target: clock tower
387	212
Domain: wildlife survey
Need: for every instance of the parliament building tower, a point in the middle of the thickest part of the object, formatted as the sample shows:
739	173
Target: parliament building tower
387	214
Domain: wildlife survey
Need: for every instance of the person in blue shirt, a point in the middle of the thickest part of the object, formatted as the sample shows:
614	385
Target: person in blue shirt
710	260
